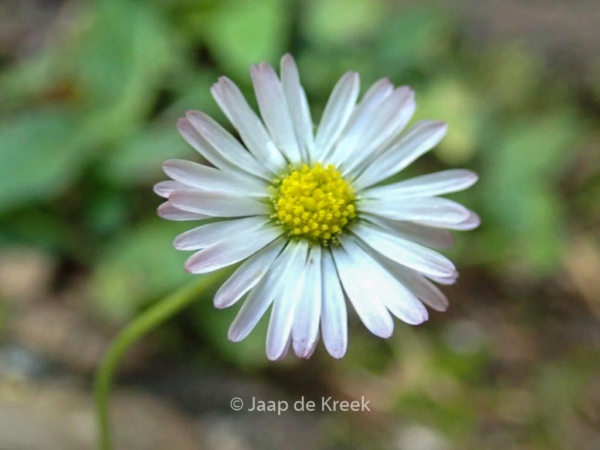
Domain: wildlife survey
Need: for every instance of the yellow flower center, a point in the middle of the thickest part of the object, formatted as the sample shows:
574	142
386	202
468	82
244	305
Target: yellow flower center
315	203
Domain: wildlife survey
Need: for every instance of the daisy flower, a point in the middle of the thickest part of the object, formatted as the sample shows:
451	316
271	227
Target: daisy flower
308	212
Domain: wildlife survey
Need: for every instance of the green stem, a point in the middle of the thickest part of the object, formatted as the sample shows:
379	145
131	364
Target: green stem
147	321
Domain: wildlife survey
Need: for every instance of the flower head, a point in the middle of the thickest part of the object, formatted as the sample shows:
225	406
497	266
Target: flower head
309	214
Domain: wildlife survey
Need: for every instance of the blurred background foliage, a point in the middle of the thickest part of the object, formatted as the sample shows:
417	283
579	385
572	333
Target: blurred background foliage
89	96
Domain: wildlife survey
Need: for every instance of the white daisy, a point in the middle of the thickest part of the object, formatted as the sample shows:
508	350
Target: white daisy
309	214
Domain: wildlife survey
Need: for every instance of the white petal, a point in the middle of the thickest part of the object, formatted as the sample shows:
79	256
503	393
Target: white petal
360	118
298	105
424	235
208	178
418	140
426	291
274	110
362	292
284	306
209	234
379	91
170	212
337	112
227	146
217	204
473	221
311	350
405	252
376	94
261	296
227	252
256	304
305	330
247	123
439	183
165	188
451	279
334	321
384	125
211	154
285	350
379	147
429	210
393	294
248	275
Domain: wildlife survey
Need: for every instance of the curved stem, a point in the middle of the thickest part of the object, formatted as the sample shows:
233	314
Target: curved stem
147	321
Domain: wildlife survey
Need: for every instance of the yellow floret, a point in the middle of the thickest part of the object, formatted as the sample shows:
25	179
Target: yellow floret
314	203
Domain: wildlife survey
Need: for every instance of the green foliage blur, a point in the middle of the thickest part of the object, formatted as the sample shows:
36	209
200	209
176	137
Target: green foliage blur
86	122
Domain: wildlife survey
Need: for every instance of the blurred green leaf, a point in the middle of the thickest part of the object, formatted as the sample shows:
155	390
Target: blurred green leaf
512	72
109	212
123	57
140	158
121	65
40	154
193	93
341	22
38	228
449	99
243	32
138	266
413	38
29	80
519	185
